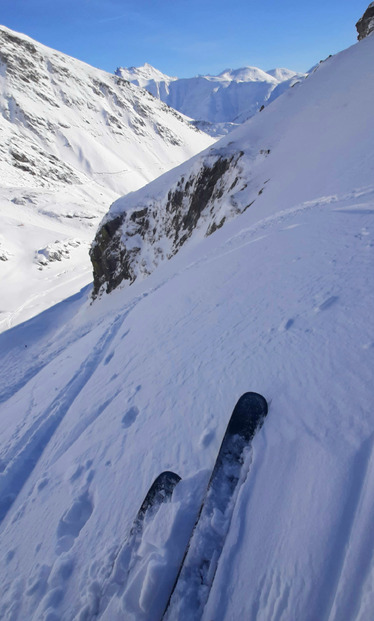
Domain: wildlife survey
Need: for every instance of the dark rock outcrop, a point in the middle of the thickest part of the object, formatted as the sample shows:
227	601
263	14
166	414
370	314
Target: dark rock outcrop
365	24
133	243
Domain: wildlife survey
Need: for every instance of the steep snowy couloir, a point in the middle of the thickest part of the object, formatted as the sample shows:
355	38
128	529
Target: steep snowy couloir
97	399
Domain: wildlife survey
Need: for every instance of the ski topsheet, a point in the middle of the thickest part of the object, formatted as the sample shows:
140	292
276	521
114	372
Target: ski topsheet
198	568
160	491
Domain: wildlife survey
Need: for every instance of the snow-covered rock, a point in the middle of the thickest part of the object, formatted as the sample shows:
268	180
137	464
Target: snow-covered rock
233	96
56	251
365	24
135	241
73	138
321	125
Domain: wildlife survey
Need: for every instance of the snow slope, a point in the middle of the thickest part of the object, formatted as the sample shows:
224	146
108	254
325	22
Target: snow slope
73	138
315	138
97	399
230	97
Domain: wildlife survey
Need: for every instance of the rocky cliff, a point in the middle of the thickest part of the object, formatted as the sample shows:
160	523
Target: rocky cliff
365	24
131	242
282	158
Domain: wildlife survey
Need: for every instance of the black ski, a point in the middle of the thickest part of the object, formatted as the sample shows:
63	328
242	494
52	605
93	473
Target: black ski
160	491
196	574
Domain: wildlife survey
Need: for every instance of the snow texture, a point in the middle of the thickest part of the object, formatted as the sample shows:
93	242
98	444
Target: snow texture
98	399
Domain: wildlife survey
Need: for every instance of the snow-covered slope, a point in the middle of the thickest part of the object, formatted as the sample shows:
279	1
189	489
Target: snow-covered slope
316	137
233	96
97	399
73	138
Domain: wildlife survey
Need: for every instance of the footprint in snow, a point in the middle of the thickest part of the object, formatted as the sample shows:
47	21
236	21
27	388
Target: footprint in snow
61	572
77	473
286	325
53	599
327	303
72	522
42	484
9	556
130	417
108	358
38	584
206	438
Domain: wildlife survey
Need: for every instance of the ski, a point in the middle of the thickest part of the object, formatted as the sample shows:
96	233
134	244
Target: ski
197	570
160	491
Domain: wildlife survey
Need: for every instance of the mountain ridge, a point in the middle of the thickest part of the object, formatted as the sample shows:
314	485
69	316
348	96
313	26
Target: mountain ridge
232	96
73	139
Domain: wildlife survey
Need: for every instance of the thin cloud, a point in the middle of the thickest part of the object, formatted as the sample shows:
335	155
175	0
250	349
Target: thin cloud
112	19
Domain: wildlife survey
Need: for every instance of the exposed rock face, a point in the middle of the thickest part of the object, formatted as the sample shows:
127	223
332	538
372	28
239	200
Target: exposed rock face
365	24
133	243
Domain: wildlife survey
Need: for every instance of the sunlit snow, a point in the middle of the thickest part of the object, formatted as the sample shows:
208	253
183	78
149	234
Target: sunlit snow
98	398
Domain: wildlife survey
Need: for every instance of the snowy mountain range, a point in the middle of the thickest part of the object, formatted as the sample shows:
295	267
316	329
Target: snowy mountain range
73	138
251	269
233	96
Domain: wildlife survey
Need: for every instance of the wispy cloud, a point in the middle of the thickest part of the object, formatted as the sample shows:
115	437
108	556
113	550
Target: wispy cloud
114	18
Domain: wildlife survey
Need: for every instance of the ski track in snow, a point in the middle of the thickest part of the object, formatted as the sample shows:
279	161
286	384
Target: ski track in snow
23	453
345	530
335	602
207	541
17	378
30	447
246	235
35	440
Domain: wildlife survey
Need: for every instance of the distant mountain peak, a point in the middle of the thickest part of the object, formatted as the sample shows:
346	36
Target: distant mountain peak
282	73
232	96
246	74
144	75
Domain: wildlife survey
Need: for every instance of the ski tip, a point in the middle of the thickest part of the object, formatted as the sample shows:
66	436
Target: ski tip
160	491
248	415
169	475
166	479
254	399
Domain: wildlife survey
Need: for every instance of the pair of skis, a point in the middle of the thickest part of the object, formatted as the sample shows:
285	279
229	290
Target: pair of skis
199	564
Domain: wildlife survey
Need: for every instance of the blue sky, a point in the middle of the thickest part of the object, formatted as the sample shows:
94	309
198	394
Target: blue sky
189	37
